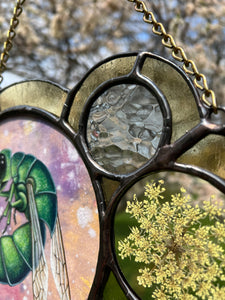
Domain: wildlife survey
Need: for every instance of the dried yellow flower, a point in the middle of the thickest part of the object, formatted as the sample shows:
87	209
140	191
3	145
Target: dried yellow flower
183	257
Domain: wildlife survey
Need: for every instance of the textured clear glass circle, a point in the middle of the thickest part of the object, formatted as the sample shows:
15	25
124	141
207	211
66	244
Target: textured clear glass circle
124	128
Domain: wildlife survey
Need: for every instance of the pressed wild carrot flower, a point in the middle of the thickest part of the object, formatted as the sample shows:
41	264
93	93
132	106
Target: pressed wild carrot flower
181	247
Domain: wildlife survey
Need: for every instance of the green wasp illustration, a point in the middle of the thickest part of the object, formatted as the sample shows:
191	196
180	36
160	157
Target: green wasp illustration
31	192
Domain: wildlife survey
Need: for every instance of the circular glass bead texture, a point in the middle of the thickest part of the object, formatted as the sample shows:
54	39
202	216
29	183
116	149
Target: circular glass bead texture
124	128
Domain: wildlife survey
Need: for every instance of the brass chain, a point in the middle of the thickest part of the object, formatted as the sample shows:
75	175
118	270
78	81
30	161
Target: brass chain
190	68
14	22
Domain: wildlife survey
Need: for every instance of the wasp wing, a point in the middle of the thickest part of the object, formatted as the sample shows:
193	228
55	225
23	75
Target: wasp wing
39	265
58	263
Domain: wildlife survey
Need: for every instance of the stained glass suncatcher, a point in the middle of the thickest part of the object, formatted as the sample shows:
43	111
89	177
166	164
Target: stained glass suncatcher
131	116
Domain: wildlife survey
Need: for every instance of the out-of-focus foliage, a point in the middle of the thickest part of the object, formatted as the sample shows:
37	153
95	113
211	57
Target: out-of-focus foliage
60	40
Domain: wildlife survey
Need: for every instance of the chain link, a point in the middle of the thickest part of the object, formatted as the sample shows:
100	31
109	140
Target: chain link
190	68
14	22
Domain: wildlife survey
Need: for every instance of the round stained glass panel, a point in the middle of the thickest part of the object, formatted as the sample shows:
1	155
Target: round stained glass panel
124	128
76	206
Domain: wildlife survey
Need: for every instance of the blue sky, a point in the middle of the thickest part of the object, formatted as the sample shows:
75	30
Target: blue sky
9	78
